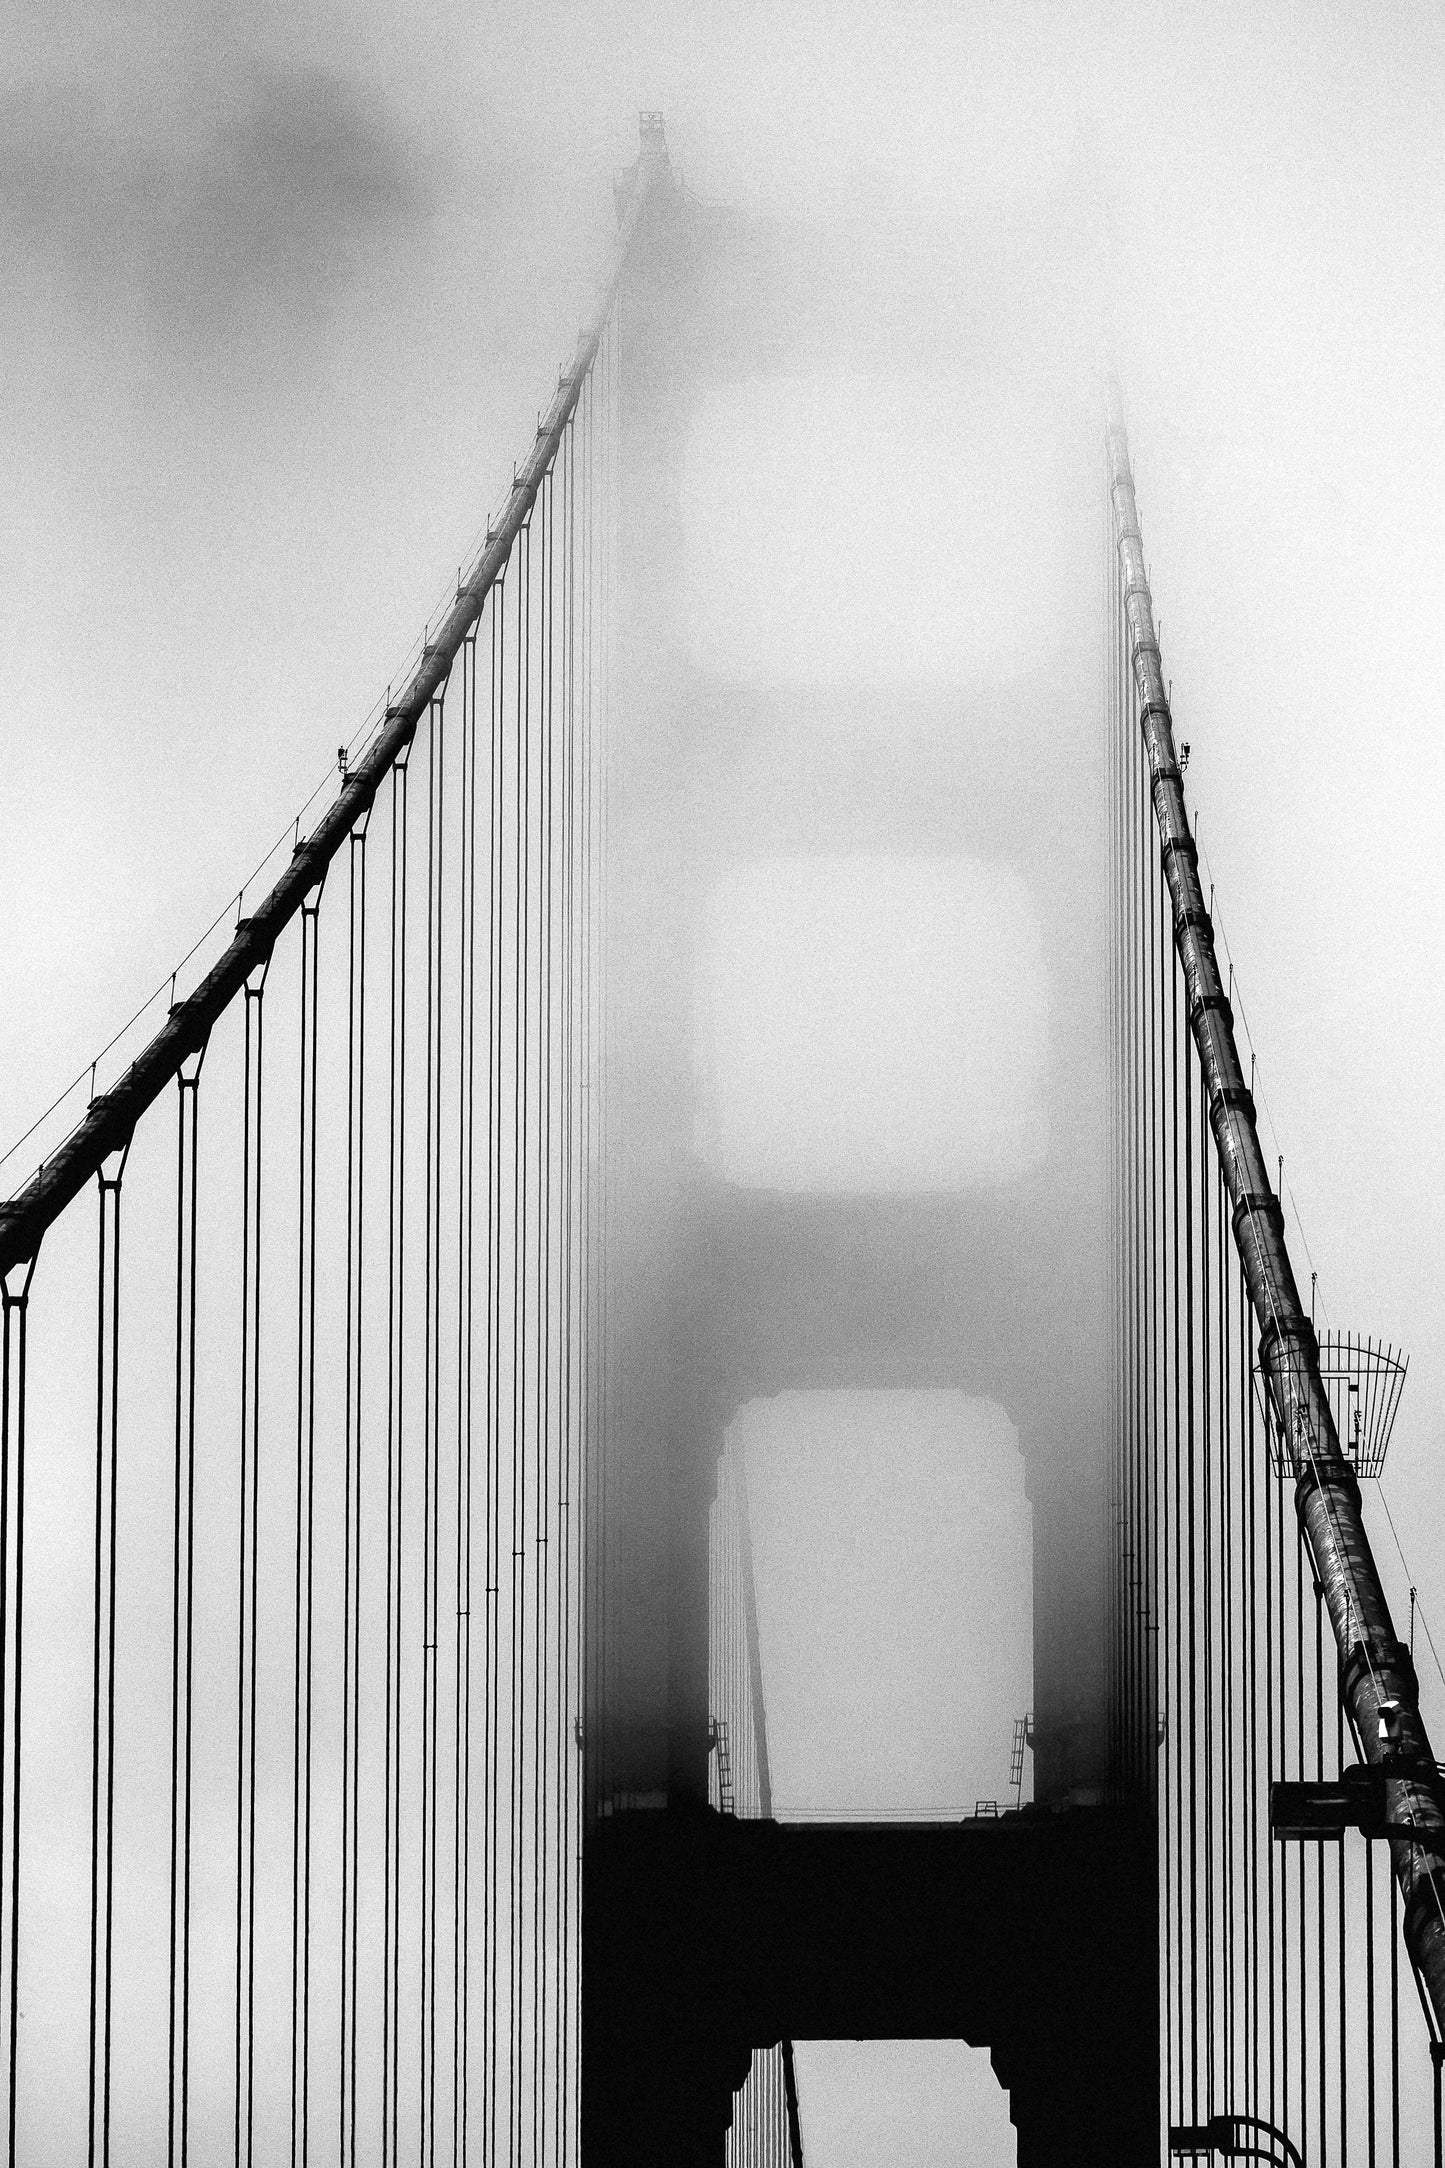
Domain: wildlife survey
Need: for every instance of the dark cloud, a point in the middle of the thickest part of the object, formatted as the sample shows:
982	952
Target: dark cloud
263	186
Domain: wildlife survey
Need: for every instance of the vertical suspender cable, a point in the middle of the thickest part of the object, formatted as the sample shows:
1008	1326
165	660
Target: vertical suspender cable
605	1120
1190	1595
1159	1366
1134	1250
1131	972
436	948
425	1915
351	1680
529	1325
431	1437
1134	1427
613	1527
14	1306
562	1301
102	1778
542	1332
1305	2095
1249	1483
492	1622
1273	1750
1305	2101
244	2120
395	1443
1339	1885
568	1698
1116	1366
1206	1489
1370	2004
466	1086
516	1774
1225	1639
1148	1747
559	1689
1182	1732
591	1494
182	1612
1283	1675
305	1545
1321	1989
1229	1642
1394	2025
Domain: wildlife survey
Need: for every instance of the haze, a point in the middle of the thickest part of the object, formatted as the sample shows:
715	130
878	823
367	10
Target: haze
280	294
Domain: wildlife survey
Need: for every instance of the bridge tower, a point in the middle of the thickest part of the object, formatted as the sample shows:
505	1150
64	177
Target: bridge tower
705	1939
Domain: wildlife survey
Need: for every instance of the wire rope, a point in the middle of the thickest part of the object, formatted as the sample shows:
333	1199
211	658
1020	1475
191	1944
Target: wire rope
466	1091
431	1441
182	1613
14	1335
543	1328
245	1971
395	1439
495	1176
102	1793
351	1635
305	1545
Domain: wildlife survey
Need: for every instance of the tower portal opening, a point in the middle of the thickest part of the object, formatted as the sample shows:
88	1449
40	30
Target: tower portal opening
893	1567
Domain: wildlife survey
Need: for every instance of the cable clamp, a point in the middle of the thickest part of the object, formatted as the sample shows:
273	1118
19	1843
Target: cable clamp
1279	1329
1232	1099
1252	1205
1219	1002
1360	1664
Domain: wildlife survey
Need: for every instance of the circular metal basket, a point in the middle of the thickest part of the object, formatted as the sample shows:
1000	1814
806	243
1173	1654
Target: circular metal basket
1363	1379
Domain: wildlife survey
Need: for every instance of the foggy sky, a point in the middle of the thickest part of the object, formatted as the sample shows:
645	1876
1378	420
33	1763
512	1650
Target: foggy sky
280	295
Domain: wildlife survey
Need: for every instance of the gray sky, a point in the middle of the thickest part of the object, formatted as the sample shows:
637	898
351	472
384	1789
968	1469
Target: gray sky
280	292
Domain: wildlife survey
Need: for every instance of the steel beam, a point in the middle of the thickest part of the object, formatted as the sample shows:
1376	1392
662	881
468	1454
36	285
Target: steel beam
1378	1676
706	1937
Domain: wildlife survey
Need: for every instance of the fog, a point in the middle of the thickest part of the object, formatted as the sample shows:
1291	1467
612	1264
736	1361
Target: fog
280	296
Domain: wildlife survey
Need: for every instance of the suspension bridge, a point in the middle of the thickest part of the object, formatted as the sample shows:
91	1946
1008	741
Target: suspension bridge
384	1767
